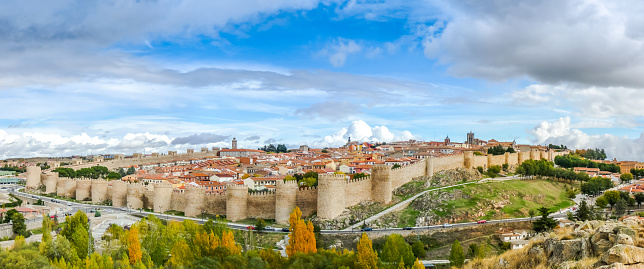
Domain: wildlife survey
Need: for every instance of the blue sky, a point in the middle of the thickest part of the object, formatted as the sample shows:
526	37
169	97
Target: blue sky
121	77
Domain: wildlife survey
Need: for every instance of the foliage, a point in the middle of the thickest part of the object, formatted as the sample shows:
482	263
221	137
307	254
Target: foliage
301	238
593	154
395	166
494	169
18	227
113	175
367	258
551	146
596	185
418	248
134	246
260	224
626	177
93	172
570	161
477	153
583	212
76	231
499	150
545	223
360	175
637	173
612	197
601	202
639	198
272	148
456	255
396	249
620	207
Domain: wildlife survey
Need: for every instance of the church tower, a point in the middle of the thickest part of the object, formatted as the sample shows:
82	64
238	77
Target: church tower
447	140
234	143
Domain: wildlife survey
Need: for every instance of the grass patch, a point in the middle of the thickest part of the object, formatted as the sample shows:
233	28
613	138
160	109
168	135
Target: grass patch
175	213
408	218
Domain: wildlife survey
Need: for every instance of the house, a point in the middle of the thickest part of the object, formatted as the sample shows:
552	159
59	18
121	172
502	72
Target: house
518	244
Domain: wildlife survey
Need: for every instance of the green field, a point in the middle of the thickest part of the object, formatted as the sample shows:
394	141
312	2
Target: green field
522	195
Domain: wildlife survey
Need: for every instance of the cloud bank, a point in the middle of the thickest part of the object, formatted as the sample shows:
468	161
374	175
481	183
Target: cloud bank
361	131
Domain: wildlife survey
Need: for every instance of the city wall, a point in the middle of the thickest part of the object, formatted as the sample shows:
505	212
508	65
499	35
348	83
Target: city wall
332	196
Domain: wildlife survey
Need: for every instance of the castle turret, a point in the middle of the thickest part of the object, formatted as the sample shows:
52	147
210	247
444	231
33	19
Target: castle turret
33	177
135	194
429	166
381	183
195	196
119	193
99	190
286	192
236	202
50	182
468	160
83	189
331	195
234	143
162	197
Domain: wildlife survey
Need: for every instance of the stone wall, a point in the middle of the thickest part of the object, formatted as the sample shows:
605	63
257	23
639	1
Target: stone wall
404	174
195	200
331	194
237	202
307	200
495	160
83	187
512	158
119	193
357	190
51	180
381	186
448	162
162	197
99	191
480	161
33	177
285	202
215	204
261	205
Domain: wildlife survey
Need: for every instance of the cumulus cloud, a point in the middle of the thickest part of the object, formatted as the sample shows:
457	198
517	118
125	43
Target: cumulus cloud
361	131
561	132
252	138
199	139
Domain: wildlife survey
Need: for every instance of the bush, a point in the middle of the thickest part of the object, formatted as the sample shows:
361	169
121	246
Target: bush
480	169
494	169
97	214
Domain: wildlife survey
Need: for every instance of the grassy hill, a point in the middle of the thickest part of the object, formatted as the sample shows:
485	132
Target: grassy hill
492	200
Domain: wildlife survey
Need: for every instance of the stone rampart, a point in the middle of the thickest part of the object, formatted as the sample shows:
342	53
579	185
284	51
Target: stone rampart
406	173
162	197
215	204
512	158
524	156
119	193
448	162
534	155
331	191
135	196
99	190
194	200
33	177
83	187
51	180
381	186
285	202
495	160
480	161
357	190
307	200
237	202
261	205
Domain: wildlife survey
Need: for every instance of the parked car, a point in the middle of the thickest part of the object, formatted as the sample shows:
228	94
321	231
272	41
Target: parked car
269	228
367	229
250	227
407	228
481	221
448	225
69	204
285	230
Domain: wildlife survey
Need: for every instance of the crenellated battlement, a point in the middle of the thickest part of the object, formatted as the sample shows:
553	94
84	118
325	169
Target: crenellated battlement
261	193
367	178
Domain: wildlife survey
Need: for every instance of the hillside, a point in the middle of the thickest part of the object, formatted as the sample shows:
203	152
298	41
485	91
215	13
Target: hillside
492	200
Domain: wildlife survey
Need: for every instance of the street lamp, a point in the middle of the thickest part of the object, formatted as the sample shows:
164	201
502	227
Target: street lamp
202	214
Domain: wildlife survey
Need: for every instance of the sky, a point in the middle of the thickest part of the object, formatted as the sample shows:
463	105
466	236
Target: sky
122	76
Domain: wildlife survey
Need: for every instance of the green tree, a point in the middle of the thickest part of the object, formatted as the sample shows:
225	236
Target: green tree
19	227
545	223
76	231
396	166
395	248
532	212
260	224
639	198
113	175
583	212
367	258
418	248
601	202
456	255
612	197
620	208
626	177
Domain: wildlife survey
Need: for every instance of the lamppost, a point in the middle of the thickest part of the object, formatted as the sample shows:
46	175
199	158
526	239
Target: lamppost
202	214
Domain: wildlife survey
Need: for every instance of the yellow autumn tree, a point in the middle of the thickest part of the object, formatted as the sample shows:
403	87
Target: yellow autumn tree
295	216
134	246
367	257
418	265
301	238
228	241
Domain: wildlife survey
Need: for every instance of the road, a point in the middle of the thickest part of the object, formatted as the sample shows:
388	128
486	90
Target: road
73	207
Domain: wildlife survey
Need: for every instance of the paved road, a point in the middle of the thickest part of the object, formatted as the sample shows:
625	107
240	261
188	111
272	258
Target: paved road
401	205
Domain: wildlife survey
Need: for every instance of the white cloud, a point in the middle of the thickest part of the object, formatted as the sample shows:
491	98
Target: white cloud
340	49
560	132
361	131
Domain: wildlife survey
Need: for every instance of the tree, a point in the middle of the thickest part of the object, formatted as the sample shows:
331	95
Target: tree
395	249
180	254
583	212
302	237
76	231
134	246
620	208
639	198
601	202
418	265
260	224
532	213
418	248
367	258
19	227
612	197
456	255
544	223
626	177
113	175
396	166
228	242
